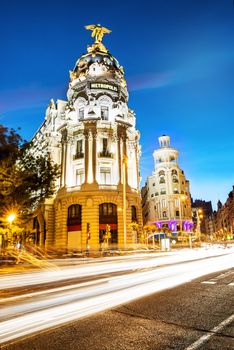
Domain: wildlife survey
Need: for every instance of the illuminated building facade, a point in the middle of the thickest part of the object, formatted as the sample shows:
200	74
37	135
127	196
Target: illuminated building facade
166	199
223	218
93	137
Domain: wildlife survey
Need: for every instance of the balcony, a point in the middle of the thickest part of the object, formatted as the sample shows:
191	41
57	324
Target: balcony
78	155
105	154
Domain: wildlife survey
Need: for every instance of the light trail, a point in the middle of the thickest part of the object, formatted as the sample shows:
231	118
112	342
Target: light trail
104	266
34	312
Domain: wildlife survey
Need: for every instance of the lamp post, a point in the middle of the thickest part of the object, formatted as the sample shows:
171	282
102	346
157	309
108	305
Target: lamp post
125	161
199	218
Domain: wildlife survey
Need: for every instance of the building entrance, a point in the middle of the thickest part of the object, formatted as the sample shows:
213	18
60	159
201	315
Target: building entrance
108	220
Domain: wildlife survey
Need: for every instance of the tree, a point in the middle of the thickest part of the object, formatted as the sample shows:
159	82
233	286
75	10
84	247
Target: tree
25	180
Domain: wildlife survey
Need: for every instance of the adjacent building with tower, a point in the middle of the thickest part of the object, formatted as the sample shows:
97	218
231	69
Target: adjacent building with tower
166	199
93	136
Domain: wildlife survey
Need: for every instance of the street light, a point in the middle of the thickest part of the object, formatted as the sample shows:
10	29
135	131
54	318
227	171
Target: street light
199	218
11	218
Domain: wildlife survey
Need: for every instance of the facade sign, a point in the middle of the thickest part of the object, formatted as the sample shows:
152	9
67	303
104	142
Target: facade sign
103	86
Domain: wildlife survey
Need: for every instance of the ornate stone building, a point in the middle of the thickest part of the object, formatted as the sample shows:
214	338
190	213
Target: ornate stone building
93	137
223	218
166	199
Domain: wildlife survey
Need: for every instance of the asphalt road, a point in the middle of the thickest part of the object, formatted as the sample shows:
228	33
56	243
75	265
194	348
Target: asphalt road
195	315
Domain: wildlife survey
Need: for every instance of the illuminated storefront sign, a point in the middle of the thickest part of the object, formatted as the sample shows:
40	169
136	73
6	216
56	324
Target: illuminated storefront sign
103	86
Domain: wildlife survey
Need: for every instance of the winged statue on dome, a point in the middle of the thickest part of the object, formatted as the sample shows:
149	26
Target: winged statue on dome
97	31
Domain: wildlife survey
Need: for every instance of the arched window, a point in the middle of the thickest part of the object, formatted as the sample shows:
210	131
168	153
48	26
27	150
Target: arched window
174	172
134	213
74	215
161	173
107	213
108	216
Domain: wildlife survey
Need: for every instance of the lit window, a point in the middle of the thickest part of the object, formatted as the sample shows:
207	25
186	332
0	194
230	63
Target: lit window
105	175
134	213
104	113
81	113
79	177
79	147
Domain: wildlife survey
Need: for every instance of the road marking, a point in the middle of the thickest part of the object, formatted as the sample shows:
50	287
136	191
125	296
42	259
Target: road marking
208	282
231	284
211	333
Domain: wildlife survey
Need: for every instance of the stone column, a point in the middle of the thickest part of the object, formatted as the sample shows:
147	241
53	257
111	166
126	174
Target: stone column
86	148
137	166
63	158
94	156
90	158
119	159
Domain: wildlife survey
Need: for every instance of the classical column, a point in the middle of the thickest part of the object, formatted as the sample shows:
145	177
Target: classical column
119	159
90	158
63	158
137	166
86	148
68	173
94	156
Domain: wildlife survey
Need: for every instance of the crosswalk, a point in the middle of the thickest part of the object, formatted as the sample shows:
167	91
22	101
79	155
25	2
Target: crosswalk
226	278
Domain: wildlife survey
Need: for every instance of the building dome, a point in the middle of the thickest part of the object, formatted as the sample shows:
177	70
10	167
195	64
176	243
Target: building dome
98	71
105	58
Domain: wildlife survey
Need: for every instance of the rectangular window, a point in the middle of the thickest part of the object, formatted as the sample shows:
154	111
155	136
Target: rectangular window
104	113
79	177
81	113
79	146
104	145
79	150
105	175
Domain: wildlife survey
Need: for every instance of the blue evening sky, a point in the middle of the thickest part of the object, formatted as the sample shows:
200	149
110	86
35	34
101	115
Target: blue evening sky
178	58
